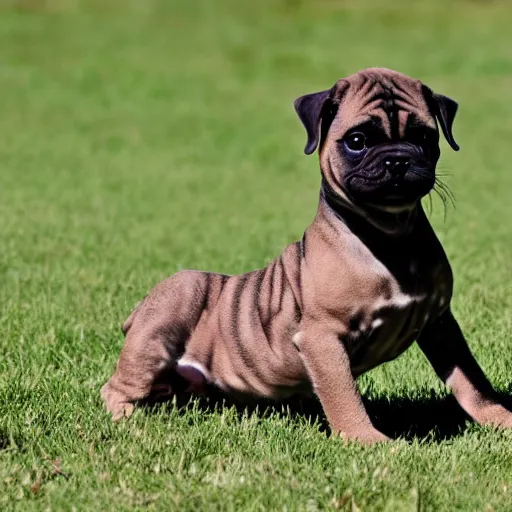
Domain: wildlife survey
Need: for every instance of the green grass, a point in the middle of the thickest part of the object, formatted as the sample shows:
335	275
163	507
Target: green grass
141	137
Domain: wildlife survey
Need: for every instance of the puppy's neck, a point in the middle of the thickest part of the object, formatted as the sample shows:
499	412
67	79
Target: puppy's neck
356	218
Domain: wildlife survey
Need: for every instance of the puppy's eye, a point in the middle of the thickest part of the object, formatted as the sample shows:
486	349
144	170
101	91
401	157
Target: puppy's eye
355	142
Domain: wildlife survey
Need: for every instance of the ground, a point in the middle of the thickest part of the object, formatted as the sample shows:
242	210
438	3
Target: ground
139	138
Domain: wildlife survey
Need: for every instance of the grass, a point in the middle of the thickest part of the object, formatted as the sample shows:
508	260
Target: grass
138	138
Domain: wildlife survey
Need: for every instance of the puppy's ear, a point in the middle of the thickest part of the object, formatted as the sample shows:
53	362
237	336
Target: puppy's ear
309	109
444	109
445	114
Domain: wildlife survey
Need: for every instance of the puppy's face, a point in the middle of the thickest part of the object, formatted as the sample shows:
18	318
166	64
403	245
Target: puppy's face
378	136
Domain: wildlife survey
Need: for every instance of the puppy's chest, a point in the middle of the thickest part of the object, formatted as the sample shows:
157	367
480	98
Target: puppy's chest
387	324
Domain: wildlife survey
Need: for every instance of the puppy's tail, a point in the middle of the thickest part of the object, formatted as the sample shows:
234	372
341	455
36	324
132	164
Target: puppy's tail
129	321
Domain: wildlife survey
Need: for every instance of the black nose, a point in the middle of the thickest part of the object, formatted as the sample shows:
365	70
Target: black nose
397	166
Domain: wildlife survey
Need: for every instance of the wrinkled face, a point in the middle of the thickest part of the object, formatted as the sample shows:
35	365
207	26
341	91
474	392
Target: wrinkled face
379	142
383	145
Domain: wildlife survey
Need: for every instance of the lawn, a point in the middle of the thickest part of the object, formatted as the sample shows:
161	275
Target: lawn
141	137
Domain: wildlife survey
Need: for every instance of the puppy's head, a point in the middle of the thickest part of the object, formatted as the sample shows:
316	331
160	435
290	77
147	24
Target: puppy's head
378	137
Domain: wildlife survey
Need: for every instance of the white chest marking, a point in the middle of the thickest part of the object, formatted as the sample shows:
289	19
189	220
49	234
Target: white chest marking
297	338
377	323
398	300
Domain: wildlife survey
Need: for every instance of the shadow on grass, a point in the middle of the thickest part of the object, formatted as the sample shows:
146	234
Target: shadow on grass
436	418
9	441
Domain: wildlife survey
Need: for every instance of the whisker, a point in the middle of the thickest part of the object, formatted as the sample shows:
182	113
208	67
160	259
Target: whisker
442	172
442	196
429	209
447	191
440	188
420	172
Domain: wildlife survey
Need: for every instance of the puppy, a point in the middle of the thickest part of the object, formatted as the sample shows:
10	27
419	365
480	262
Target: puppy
368	278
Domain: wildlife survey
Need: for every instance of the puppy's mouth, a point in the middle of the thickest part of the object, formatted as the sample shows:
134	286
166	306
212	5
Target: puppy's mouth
392	193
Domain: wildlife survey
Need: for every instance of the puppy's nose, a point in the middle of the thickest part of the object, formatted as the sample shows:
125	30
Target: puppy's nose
397	166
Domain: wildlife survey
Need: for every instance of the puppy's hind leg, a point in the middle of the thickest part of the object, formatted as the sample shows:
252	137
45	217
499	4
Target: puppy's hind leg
156	334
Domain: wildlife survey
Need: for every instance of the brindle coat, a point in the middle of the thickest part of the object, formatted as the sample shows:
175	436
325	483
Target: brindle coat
368	278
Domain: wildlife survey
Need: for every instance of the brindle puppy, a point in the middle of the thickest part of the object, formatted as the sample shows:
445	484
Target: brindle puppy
368	278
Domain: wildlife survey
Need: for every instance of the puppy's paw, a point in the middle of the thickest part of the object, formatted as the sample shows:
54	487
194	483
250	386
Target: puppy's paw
496	415
366	437
116	403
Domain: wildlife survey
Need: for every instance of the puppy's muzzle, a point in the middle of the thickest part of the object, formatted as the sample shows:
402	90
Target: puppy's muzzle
394	171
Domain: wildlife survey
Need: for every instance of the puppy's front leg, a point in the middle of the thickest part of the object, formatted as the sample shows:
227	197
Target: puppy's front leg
328	366
445	347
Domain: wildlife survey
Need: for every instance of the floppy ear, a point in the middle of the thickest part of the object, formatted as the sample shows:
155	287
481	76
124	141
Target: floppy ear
444	109
445	114
309	109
